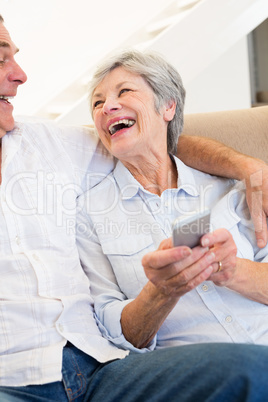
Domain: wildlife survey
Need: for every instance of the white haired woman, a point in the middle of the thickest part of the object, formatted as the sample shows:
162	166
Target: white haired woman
149	294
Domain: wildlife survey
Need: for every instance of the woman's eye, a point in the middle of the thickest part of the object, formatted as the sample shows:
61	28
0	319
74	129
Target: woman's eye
124	90
97	103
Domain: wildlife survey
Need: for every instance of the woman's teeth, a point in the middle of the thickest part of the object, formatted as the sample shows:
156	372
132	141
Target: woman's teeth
120	124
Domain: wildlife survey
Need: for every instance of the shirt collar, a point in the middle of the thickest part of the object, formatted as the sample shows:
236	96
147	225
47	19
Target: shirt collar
17	130
186	180
129	186
10	144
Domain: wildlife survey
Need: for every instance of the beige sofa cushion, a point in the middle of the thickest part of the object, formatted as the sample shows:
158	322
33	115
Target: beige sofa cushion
246	130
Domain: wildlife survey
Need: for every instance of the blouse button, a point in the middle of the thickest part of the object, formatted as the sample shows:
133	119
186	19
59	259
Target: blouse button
205	288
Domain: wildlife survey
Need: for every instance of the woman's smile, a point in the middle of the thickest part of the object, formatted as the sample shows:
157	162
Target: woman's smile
119	124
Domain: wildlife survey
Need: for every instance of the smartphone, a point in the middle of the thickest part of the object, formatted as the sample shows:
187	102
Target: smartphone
187	230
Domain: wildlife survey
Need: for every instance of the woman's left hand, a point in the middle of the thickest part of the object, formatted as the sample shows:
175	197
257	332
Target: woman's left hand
221	243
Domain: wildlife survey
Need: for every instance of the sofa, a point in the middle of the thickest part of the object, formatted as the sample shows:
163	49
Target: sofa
245	130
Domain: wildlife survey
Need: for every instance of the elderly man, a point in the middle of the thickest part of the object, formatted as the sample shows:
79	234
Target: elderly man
51	348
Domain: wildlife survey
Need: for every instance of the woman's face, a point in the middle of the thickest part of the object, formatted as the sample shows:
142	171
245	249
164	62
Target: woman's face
125	116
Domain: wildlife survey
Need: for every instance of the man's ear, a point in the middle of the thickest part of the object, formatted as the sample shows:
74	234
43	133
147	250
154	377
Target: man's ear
169	110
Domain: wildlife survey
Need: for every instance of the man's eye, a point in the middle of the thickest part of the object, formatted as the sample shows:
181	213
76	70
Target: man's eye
97	103
124	90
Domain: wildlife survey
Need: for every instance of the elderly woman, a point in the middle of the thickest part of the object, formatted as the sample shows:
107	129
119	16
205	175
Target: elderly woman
147	293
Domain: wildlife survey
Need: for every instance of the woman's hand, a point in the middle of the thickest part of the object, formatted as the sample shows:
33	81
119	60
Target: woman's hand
175	271
249	278
222	245
172	272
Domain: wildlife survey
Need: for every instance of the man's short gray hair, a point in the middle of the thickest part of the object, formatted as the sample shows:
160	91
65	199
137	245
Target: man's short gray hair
162	77
1	19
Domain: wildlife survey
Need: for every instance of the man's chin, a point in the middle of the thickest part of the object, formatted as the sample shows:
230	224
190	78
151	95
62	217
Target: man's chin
8	126
2	133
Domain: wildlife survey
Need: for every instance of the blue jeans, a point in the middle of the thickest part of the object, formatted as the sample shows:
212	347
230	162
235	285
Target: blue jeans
194	373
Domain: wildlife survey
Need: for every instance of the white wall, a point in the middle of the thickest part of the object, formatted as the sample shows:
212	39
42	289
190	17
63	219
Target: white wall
225	85
60	38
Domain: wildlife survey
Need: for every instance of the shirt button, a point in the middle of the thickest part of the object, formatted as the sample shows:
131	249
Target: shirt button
61	327
205	288
166	204
228	318
35	257
18	240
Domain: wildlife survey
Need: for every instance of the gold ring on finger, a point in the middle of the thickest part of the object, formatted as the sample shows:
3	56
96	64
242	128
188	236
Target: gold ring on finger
220	266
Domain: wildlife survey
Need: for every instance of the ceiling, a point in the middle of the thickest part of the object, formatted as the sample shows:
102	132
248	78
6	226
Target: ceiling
59	38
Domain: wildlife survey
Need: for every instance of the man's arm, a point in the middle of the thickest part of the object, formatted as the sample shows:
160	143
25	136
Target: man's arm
215	158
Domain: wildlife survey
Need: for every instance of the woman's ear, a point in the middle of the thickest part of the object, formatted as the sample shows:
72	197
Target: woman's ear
169	111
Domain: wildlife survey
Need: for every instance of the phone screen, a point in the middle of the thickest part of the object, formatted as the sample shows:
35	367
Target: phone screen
187	230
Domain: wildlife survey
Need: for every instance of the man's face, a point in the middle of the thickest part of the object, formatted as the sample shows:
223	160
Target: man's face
11	76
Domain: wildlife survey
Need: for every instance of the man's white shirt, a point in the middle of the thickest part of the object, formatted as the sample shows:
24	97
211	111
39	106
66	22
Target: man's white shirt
44	293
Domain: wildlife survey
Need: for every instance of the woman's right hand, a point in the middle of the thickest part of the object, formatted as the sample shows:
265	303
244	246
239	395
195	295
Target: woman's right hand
175	271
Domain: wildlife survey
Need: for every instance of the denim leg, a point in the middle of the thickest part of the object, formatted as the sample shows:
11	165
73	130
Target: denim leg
53	392
194	373
77	369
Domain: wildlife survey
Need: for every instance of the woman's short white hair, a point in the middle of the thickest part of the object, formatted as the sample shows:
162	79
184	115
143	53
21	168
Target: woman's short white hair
162	77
